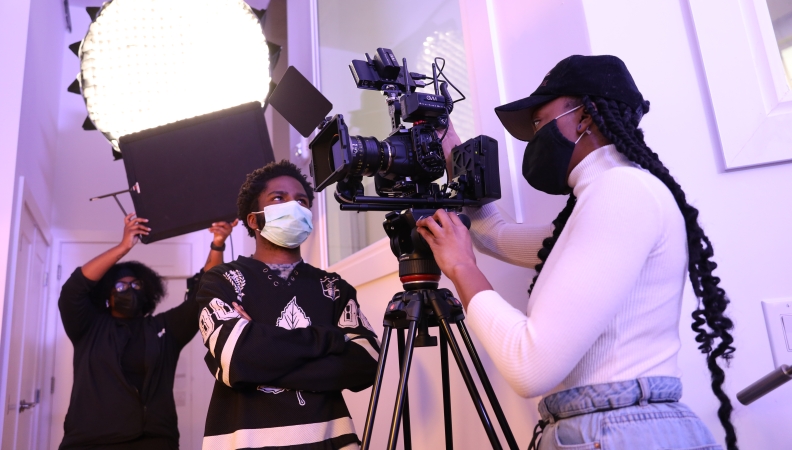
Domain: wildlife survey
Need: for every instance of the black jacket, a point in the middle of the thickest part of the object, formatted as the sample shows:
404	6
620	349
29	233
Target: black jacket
280	376
104	408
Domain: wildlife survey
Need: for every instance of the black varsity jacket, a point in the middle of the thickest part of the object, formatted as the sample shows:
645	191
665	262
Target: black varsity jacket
279	376
104	408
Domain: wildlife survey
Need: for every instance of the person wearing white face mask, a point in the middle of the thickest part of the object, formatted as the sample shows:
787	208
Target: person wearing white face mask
283	338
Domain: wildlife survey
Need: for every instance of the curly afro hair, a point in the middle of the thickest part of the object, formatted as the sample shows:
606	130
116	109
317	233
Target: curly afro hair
153	285
256	183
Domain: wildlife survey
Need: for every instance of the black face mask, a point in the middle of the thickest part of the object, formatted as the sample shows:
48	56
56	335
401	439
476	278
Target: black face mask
127	303
546	160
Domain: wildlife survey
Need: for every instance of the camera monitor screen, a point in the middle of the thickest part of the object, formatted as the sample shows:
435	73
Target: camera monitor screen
189	172
299	102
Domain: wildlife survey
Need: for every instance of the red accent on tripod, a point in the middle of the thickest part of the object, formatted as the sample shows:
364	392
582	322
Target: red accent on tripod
420	277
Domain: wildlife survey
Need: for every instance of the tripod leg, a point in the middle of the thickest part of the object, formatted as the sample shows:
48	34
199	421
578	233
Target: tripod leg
449	432
471	385
507	433
400	394
406	412
375	390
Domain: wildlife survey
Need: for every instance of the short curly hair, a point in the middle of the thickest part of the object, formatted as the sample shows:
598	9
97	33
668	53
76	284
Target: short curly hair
153	285
256	183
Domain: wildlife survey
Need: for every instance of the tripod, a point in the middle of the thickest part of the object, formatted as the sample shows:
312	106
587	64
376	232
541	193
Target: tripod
419	307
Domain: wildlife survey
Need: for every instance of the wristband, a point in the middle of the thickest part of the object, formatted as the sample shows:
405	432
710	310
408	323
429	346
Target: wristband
217	248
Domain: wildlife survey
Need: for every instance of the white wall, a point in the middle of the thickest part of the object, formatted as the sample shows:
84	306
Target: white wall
13	33
745	212
38	128
32	32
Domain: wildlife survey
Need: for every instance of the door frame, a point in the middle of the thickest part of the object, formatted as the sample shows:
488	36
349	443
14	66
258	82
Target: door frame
24	198
61	389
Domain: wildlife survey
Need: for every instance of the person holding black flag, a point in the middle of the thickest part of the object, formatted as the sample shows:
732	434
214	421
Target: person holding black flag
601	337
125	355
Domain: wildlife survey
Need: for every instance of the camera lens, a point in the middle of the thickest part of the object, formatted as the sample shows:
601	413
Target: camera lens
366	156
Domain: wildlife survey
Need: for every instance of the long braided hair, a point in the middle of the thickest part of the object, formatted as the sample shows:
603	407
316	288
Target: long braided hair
619	123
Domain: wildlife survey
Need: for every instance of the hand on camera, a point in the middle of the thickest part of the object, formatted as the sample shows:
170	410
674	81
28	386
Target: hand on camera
221	231
450	140
450	242
133	228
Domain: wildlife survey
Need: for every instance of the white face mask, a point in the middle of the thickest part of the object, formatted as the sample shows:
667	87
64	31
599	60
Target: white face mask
286	224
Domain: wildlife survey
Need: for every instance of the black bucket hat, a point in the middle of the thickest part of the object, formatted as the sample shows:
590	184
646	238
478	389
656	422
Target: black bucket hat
600	76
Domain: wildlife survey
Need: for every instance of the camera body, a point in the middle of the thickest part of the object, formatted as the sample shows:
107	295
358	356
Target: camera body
405	164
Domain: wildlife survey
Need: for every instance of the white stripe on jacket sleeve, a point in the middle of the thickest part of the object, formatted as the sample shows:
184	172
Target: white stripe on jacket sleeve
228	350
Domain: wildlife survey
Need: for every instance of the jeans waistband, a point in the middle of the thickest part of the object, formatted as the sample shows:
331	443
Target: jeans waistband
608	396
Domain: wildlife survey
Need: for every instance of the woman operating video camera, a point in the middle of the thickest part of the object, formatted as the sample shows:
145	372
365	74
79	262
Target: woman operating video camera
601	337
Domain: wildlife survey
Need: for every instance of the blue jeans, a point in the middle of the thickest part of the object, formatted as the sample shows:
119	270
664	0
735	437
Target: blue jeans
642	414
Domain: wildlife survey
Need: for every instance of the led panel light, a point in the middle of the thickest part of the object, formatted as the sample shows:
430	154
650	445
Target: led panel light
147	63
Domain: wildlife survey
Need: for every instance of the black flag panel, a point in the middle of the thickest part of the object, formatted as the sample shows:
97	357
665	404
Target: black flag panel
189	172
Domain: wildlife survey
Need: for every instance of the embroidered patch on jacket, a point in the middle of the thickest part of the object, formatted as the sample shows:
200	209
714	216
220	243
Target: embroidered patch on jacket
329	288
349	318
237	280
293	316
365	321
206	324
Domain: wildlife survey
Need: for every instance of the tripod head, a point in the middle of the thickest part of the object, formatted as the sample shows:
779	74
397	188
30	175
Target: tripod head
417	266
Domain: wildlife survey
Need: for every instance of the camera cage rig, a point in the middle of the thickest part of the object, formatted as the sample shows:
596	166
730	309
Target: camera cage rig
408	179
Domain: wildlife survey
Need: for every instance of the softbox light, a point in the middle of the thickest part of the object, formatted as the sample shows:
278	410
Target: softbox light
189	172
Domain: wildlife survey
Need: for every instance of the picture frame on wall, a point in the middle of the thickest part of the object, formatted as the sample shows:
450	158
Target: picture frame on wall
749	87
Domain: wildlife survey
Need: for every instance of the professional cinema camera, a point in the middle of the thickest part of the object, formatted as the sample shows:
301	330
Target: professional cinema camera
405	166
406	163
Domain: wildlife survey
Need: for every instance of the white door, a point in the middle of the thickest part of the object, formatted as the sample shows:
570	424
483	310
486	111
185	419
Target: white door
25	382
193	382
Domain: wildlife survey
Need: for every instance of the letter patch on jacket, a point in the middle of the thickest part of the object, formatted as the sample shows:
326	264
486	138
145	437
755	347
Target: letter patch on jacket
220	310
349	318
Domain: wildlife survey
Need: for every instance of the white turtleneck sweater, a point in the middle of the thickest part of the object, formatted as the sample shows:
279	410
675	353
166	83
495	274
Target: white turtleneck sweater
607	304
